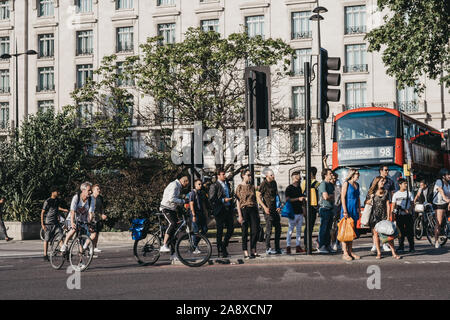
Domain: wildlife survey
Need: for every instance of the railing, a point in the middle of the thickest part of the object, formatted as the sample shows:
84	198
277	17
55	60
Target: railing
45	88
301	35
5	90
356	68
403	106
4	124
85	52
355	30
124	49
409	106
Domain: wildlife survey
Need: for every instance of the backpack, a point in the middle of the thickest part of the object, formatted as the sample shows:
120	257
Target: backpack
314	196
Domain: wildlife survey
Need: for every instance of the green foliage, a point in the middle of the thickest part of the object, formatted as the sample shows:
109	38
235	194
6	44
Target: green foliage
21	206
414	40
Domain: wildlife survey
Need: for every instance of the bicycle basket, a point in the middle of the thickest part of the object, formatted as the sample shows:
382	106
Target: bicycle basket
137	229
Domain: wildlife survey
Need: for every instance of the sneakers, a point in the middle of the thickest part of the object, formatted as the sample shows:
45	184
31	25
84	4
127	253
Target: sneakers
279	251
9	239
386	248
164	249
299	249
270	251
437	245
46	258
331	249
335	247
374	249
63	248
174	258
196	251
323	249
96	250
86	245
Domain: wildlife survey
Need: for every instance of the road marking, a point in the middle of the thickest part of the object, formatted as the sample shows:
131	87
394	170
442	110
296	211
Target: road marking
6	266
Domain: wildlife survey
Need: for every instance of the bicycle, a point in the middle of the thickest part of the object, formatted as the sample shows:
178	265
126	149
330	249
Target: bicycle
192	249
58	258
429	225
80	251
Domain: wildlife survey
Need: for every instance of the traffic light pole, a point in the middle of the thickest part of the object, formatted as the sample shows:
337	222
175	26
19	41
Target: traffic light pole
308	156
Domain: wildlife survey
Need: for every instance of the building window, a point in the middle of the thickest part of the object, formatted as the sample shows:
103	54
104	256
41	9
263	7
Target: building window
165	2
46	45
407	100
84	6
46	79
4	45
124	4
301	56
255	26
45	105
355	95
301	25
210	25
355	58
122	81
166	112
129	145
46	8
84	72
355	19
85	111
4	10
4	81
85	42
298	102
4	115
167	31
125	39
298	140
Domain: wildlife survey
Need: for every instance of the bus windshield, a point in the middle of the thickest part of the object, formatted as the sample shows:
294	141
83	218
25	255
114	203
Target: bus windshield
366	176
366	125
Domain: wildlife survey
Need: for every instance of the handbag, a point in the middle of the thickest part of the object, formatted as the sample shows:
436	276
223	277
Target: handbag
261	234
346	232
288	211
385	227
365	218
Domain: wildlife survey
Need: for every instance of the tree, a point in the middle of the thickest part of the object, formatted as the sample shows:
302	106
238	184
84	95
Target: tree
414	39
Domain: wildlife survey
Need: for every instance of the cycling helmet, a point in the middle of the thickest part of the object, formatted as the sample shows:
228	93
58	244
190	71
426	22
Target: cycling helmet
443	172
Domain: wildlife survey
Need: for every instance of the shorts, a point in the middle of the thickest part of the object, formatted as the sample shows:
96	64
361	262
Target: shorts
53	232
97	227
440	206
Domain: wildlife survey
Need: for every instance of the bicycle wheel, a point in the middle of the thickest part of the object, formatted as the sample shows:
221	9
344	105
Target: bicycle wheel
42	234
430	233
57	258
418	228
146	251
81	252
193	250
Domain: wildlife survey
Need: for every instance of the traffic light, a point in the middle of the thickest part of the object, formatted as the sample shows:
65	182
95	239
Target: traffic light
328	79
257	89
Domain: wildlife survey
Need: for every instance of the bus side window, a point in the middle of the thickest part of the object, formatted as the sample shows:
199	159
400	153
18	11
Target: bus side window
407	130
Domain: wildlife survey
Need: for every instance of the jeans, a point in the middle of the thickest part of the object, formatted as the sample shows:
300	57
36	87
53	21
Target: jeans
297	223
251	219
199	227
273	220
326	221
313	222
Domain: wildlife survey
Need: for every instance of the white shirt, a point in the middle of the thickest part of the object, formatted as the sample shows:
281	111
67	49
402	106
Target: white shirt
171	197
82	209
400	199
437	196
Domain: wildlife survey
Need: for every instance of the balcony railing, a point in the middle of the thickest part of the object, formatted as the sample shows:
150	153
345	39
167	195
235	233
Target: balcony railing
85	52
356	68
5	90
301	35
124	48
355	30
409	106
4	124
403	106
44	88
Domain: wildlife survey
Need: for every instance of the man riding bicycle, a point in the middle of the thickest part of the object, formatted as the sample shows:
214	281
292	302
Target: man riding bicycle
82	210
170	202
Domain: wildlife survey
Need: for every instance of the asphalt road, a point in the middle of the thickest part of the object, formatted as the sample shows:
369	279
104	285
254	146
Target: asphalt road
116	275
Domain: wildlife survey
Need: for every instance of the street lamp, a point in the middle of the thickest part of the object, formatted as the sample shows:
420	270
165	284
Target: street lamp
16	55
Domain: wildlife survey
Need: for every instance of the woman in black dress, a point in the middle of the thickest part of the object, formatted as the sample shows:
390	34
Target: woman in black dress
379	199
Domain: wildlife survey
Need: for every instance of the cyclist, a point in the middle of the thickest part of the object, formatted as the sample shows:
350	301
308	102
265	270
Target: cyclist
52	228
170	202
99	215
82	209
441	201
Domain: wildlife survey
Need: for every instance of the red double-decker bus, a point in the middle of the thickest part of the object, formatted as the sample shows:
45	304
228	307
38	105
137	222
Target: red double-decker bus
367	138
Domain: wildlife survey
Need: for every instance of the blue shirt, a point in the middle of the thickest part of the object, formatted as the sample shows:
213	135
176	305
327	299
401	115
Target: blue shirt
227	193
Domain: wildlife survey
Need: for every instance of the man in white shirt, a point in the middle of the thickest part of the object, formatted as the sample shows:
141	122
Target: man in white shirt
402	201
170	202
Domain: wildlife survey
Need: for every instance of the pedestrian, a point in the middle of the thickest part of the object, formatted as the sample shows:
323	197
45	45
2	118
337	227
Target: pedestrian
424	194
336	246
402	204
313	203
441	202
390	188
198	214
2	224
221	202
379	198
99	215
51	210
267	199
296	197
350	209
326	211
247	208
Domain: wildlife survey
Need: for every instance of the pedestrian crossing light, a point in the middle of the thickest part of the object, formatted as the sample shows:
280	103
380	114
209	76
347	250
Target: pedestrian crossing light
327	79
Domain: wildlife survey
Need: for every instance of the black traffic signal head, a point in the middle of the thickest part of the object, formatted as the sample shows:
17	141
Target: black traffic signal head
328	79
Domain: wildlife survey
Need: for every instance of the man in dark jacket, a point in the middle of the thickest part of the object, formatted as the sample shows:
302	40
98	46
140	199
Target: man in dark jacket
222	208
